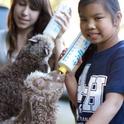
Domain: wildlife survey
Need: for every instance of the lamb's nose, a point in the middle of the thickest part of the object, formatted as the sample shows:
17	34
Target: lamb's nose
44	67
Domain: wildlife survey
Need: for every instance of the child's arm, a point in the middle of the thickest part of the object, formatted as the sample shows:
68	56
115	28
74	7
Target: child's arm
107	110
71	85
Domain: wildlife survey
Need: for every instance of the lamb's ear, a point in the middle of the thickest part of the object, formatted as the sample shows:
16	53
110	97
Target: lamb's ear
36	38
26	111
33	40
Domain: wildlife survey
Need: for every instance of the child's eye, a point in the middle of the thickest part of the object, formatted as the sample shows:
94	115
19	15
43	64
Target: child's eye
33	8
22	3
83	19
99	18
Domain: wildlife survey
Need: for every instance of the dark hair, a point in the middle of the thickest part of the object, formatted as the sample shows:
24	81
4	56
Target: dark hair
112	6
45	15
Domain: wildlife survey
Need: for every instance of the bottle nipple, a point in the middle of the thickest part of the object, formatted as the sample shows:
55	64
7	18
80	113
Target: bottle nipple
62	69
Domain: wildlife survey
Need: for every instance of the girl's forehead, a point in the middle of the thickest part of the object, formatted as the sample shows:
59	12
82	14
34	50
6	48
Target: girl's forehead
27	1
92	8
17	1
96	4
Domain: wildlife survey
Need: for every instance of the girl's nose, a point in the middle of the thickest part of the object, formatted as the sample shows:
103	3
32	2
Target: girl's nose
26	11
91	24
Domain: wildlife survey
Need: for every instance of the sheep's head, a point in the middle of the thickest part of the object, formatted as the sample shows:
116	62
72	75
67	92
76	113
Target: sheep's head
46	84
41	45
38	50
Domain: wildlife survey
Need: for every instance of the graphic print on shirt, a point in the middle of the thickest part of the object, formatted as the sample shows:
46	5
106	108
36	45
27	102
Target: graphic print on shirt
90	96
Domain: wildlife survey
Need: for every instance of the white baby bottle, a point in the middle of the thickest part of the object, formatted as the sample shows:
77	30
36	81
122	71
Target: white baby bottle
53	28
73	54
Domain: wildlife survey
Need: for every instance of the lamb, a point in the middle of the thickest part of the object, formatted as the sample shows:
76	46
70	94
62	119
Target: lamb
34	56
50	86
42	91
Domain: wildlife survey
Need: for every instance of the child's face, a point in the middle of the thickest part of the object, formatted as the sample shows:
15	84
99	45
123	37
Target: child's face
96	24
24	15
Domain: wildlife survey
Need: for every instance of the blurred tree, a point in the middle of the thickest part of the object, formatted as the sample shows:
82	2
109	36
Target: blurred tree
5	3
55	4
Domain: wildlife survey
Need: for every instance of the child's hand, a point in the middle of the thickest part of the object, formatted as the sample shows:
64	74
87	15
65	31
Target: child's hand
63	19
78	63
63	53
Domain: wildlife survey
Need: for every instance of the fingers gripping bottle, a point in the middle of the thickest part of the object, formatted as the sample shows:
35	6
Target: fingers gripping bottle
53	28
73	54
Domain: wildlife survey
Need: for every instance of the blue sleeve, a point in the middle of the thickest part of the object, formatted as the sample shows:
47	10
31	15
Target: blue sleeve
115	81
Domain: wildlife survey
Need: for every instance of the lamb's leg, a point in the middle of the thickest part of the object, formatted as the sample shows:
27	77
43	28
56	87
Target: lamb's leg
25	116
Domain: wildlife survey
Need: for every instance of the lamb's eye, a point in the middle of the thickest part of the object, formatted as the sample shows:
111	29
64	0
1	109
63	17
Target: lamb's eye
46	50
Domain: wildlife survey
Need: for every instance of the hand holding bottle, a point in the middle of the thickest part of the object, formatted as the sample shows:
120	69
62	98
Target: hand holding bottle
59	21
63	19
73	55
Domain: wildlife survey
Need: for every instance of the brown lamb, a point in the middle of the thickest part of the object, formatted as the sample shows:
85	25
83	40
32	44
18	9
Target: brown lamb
42	91
19	103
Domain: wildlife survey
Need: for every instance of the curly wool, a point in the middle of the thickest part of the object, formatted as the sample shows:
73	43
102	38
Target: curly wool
45	91
34	56
42	91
